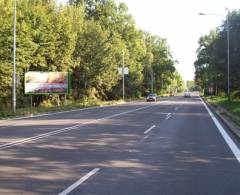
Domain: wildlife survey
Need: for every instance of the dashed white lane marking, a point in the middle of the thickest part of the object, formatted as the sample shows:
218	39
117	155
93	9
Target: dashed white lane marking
79	182
26	140
147	136
148	130
234	148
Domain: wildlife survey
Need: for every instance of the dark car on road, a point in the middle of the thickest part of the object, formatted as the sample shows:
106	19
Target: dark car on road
187	94
152	97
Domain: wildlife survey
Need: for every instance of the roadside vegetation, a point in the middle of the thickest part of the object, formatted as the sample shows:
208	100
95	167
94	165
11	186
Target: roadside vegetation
233	106
88	38
211	64
231	109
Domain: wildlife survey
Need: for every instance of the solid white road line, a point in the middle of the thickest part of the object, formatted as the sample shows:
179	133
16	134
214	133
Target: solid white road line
148	130
67	111
79	182
234	148
47	128
55	113
22	141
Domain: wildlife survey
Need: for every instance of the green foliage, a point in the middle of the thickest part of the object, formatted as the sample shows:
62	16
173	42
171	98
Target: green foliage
177	84
89	39
235	94
159	70
191	86
5	53
211	63
233	107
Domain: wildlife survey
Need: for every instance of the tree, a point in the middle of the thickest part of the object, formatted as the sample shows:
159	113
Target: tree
87	38
161	65
211	63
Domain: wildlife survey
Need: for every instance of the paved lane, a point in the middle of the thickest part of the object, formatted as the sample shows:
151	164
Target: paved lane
183	153
13	130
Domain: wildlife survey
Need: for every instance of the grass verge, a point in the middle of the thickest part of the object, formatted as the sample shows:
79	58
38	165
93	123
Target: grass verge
232	107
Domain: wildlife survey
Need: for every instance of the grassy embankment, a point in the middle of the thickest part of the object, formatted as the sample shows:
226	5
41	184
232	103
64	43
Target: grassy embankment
233	107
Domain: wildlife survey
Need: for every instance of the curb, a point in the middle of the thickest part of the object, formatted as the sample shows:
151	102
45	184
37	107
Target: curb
232	127
19	117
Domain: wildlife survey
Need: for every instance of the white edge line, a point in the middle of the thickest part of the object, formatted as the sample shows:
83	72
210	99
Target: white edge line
56	113
79	182
66	111
19	142
234	148
149	129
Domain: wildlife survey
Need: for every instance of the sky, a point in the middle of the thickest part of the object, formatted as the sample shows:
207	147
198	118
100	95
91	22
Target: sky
178	21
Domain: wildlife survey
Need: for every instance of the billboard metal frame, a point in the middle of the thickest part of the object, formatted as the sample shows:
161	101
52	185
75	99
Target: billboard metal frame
49	93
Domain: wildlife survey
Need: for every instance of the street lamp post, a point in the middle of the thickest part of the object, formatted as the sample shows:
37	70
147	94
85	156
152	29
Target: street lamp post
228	49
14	57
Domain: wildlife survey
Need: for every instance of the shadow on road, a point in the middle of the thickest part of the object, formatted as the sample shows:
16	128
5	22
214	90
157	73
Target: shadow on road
177	156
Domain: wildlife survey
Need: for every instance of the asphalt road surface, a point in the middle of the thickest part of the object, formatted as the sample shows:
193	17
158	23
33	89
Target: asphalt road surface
170	147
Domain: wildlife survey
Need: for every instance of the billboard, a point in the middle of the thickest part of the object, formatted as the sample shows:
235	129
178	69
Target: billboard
46	82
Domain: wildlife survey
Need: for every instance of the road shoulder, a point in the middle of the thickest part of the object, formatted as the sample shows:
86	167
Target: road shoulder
223	115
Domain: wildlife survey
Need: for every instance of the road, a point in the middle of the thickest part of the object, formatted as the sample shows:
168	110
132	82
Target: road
169	147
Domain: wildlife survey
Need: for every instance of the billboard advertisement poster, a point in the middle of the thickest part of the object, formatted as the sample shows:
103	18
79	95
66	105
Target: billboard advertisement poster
46	82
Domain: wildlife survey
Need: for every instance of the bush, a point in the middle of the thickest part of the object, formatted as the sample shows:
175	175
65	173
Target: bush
235	94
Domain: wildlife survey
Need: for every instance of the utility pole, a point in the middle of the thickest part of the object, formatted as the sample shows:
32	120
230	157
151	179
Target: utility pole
123	72
14	57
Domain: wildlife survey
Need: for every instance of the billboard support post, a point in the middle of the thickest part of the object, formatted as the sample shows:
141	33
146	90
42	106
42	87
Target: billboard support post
65	99
58	102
